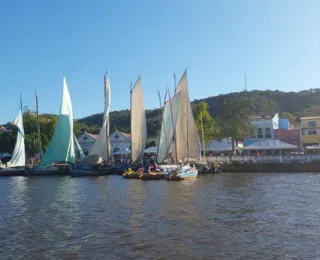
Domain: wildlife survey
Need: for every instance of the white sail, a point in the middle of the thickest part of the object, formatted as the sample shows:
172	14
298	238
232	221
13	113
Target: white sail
187	136
61	147
101	146
18	156
78	149
168	125
138	123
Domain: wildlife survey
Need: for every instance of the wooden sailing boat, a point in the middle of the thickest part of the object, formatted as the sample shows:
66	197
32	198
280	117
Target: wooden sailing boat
16	166
187	141
100	152
138	128
170	112
60	153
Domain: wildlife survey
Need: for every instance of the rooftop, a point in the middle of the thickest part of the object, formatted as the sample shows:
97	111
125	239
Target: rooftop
125	134
93	135
263	115
310	117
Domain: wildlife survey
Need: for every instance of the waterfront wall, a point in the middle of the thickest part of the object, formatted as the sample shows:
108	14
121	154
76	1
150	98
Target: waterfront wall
264	159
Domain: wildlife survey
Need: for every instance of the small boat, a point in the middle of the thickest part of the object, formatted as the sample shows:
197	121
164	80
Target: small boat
182	173
152	176
210	168
130	174
16	165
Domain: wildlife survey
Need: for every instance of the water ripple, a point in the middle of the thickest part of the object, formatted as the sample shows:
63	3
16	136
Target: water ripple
227	216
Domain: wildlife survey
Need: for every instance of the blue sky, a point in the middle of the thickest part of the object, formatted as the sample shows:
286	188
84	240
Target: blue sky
276	43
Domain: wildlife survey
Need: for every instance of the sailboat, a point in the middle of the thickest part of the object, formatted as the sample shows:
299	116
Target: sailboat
170	112
100	152
138	129
16	166
186	139
60	153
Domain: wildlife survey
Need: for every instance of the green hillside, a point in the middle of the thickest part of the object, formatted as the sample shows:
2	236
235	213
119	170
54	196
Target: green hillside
303	103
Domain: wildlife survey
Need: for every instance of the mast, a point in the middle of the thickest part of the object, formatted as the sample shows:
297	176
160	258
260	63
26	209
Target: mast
174	134
131	117
187	104
175	82
38	124
203	144
107	126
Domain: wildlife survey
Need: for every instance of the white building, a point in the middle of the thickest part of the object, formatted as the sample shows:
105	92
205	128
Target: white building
86	141
118	141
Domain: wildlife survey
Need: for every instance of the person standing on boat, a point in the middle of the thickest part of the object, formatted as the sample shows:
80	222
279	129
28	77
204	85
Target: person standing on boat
153	162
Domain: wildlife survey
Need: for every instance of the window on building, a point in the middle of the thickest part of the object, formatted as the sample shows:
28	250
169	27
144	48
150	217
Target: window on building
312	132
268	133
312	123
259	133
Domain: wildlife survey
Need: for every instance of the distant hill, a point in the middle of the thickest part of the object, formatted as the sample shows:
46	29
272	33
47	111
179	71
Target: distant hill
302	103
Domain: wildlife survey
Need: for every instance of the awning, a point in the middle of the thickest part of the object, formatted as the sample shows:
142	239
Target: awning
270	145
313	147
220	146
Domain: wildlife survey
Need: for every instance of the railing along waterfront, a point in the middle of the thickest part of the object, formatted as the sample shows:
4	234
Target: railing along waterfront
264	158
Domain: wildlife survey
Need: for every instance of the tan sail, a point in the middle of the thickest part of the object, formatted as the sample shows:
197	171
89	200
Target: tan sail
138	123
169	120
187	137
102	145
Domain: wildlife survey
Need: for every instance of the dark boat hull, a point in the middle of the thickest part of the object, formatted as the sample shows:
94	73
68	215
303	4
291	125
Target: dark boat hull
152	176
12	172
55	170
106	171
131	176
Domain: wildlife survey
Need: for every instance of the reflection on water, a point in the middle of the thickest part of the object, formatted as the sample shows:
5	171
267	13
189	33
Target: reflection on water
226	216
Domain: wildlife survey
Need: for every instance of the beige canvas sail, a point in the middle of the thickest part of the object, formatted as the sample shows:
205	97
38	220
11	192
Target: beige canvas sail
168	125
187	137
101	146
138	123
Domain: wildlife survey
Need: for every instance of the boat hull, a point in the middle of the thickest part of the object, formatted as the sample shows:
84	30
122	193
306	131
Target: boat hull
12	172
84	173
106	171
152	176
182	174
131	176
56	169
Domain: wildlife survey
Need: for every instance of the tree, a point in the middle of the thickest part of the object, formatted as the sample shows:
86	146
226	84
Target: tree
150	143
235	120
210	132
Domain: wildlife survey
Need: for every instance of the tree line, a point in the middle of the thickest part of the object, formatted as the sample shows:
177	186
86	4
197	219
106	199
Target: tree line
222	116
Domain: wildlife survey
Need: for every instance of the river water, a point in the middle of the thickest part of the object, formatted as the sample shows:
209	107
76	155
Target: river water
225	216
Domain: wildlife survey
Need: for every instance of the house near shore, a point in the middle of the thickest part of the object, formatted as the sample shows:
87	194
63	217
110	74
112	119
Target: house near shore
118	141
